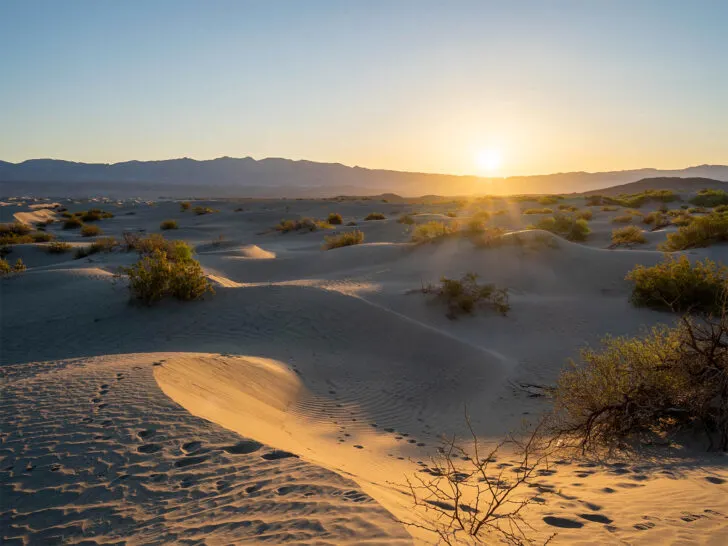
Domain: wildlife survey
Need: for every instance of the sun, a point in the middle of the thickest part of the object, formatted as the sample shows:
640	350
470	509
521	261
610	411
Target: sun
488	161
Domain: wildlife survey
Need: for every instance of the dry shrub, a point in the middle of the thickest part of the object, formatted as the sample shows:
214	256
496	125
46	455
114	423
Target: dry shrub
335	219
538	211
567	226
669	379
349	238
6	268
375	216
102	244
168	224
677	285
199	211
73	222
710	198
431	231
90	231
584	214
58	247
657	219
700	232
465	294
304	224
185	205
623	219
627	236
406	219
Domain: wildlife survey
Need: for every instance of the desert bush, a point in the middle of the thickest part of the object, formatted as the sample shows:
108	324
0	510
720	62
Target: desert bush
42	237
90	231
701	231
465	294
185	205
609	208
351	223
568	208
349	238
584	214
375	216
594	200
156	276
667	380
431	231
406	219
677	285
199	211
636	200
710	198
335	219
304	224
721	208
622	219
572	229
696	210
627	236
102	244
168	224
72	223
15	229
6	268
683	219
58	247
548	200
538	211
656	219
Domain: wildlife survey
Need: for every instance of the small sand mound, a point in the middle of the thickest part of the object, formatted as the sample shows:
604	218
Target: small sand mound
35	217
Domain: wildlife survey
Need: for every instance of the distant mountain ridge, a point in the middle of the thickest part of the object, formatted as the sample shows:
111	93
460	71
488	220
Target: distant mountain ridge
276	177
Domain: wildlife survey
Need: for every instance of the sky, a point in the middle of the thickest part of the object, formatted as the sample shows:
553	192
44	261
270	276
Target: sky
483	87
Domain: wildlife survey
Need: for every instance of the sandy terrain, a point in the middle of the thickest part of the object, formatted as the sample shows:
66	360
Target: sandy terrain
292	405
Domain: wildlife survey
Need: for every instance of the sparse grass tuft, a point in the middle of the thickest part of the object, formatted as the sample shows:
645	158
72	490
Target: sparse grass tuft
349	238
58	247
6	268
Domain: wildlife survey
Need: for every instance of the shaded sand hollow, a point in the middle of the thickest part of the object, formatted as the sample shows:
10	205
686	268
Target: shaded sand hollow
292	405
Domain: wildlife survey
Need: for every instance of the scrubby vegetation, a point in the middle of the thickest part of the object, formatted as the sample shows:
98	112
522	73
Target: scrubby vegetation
627	236
548	199
349	238
657	219
6	268
465	294
185	205
584	214
710	198
166	268
538	211
199	211
677	285
670	379
406	219
568	208
93	215
74	222
58	247
567	226
634	200
701	231
304	224
431	231
477	222
90	231
102	244
335	219
18	233
622	219
375	216
168	224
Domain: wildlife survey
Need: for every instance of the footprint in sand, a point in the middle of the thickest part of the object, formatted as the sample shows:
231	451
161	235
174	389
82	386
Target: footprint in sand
563	523
596	518
278	454
243	447
714	479
644	526
191	447
149	448
359	447
691	517
189	461
145	434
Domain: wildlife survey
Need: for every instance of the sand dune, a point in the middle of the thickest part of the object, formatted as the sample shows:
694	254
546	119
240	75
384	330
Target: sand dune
178	423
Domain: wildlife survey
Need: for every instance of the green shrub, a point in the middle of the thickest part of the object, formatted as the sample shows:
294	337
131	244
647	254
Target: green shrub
572	229
683	219
335	219
710	198
156	276
406	219
431	231
696	210
58	247
349	238
538	211
628	235
463	295
185	205
584	214
168	224
72	223
304	224
90	231
721	208
375	216
677	285
667	380
701	231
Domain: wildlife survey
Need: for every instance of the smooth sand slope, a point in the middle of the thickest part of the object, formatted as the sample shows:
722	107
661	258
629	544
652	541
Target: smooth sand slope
177	423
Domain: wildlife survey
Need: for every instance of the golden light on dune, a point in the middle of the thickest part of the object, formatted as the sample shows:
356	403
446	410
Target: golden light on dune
488	161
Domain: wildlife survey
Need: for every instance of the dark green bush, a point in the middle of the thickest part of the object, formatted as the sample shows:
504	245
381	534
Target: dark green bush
677	285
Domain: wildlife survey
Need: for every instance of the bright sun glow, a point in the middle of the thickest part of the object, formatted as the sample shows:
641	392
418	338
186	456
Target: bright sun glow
488	161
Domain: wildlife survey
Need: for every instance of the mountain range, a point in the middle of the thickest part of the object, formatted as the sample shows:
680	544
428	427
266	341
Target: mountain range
276	177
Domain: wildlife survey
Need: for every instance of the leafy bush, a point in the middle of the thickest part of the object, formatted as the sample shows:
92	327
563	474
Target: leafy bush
185	205
667	380
710	198
628	235
156	276
375	216
463	295
431	231
594	200
304	224
72	223
168	224
349	238
58	247
701	231
90	231
406	219
677	285
538	211
335	219
572	229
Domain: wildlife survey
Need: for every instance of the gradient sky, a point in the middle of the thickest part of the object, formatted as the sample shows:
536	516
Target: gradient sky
407	85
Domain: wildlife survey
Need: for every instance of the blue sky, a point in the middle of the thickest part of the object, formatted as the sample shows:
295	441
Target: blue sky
544	86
